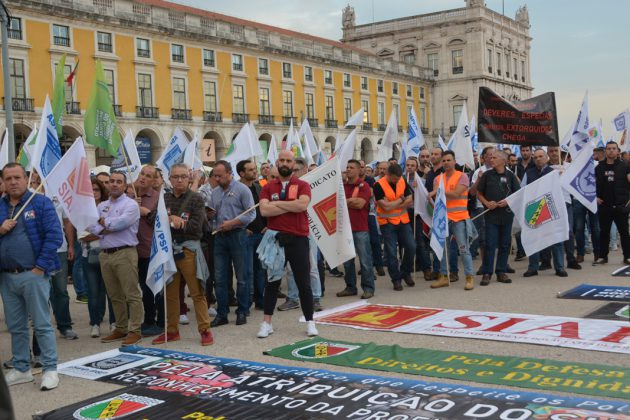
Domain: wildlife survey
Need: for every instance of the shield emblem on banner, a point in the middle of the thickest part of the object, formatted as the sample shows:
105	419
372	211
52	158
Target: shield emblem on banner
326	211
116	407
379	317
322	349
541	211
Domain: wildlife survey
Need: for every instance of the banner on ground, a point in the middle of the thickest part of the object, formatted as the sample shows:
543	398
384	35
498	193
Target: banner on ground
328	216
585	334
594	292
530	122
622	272
615	311
303	393
540	374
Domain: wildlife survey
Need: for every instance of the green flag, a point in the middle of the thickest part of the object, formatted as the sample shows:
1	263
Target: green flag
59	95
101	129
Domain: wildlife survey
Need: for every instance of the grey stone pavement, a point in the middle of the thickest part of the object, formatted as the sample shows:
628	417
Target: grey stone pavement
535	295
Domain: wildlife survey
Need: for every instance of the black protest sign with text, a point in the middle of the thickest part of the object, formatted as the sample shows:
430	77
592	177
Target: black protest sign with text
530	122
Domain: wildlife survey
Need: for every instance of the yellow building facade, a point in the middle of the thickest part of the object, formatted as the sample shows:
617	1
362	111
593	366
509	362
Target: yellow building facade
169	65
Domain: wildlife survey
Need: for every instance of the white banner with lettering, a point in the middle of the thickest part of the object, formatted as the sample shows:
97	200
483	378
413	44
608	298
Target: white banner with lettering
580	333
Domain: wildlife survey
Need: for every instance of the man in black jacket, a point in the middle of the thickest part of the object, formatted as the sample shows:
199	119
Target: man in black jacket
613	201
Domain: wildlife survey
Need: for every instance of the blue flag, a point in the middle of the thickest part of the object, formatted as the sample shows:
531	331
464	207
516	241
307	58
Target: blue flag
161	263
439	231
47	151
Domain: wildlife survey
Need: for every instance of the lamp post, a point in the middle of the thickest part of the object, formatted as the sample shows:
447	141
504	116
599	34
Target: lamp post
8	98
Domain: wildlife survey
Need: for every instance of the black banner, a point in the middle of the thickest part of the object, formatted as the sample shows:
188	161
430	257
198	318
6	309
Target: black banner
614	311
532	122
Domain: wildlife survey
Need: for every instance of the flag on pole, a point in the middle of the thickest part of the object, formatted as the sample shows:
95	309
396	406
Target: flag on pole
161	263
580	136
462	145
47	150
173	153
59	95
241	148
390	137
347	151
272	152
441	143
72	75
4	150
421	203
328	211
622	121
403	152
101	129
439	222
415	139
356	120
127	158
305	130
254	143
25	156
474	136
540	211
321	158
565	143
579	178
191	154
70	182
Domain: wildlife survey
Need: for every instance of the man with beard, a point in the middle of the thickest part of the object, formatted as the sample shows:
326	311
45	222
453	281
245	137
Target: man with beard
283	202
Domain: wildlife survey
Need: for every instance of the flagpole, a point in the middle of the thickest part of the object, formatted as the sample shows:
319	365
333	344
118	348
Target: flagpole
214	232
28	201
128	169
447	243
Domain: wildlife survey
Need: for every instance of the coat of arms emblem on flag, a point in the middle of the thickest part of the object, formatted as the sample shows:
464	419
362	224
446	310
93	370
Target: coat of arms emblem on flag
117	407
541	211
326	211
322	349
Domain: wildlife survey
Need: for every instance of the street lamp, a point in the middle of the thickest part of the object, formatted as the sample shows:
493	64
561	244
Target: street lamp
5	19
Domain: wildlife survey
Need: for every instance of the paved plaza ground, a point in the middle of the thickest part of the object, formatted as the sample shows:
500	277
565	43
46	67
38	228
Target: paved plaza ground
535	295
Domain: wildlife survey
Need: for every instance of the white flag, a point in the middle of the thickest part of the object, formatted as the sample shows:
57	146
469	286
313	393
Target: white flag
540	211
622	121
356	120
161	264
305	130
129	162
347	151
191	154
241	148
580	137
173	153
439	224
272	152
421	203
47	150
328	211
565	144
416	139
441	143
254	142
462	144
390	137
579	178
27	150
69	181
4	150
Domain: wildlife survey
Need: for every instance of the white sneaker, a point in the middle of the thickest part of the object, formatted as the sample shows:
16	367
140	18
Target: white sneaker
14	377
183	319
311	330
112	327
50	380
95	331
265	330
212	312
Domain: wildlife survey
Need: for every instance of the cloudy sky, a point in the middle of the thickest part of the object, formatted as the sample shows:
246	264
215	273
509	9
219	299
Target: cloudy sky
577	45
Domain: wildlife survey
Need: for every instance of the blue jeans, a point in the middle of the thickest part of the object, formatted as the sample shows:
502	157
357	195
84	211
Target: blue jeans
479	223
59	298
364	252
97	294
580	214
557	252
229	249
394	235
423	246
27	294
461	239
498	237
79	282
254	272
375	242
293	292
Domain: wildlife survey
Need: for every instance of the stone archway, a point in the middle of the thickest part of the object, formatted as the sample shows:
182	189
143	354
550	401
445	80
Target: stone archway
149	145
213	147
367	152
21	132
69	134
329	145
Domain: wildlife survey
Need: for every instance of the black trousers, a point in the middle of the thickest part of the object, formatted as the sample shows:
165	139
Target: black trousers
297	255
152	304
607	215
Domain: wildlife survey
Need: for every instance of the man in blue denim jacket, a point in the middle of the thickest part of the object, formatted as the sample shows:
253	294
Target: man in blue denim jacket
30	234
